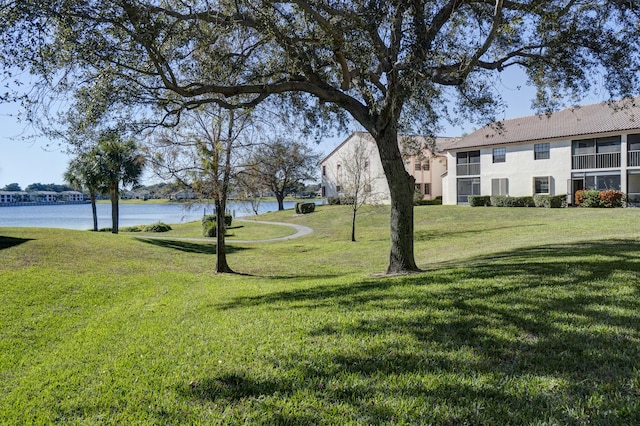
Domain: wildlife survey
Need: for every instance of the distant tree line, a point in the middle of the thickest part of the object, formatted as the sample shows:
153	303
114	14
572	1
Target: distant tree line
14	187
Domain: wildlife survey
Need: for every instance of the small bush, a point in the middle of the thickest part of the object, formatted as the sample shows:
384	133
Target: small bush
333	201
434	202
599	199
157	227
550	201
504	201
612	198
479	200
210	230
132	229
305	208
211	218
105	230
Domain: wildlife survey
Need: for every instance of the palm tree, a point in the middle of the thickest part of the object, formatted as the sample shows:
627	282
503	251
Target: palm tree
83	173
118	162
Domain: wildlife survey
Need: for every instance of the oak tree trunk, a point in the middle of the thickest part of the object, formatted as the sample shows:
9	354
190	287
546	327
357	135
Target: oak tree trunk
401	188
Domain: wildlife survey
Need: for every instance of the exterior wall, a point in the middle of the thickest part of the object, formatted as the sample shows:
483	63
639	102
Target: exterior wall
520	168
334	170
431	177
335	174
449	185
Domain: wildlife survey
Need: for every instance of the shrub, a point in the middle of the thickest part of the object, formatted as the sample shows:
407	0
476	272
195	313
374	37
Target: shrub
479	200
341	200
550	201
210	229
132	229
305	208
594	198
157	227
104	230
612	198
211	218
589	198
504	201
434	202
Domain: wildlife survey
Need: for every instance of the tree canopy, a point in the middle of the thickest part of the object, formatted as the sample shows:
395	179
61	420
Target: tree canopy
279	165
391	65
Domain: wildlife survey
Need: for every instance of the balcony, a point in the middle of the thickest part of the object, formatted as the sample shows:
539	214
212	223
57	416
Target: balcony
633	159
605	160
472	169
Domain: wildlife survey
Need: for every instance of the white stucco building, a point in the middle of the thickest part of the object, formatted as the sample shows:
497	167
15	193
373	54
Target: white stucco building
590	147
359	152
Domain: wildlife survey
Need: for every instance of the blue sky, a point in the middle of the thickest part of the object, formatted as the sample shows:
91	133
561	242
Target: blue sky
32	160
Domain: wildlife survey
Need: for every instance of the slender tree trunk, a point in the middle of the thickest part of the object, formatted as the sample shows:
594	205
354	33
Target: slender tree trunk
280	198
115	209
94	210
401	188
221	248
353	222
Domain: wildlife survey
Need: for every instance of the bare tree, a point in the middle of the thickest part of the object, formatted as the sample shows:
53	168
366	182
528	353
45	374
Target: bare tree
202	155
357	180
279	164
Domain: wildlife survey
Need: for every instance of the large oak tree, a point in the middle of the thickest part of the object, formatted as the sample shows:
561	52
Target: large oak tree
391	65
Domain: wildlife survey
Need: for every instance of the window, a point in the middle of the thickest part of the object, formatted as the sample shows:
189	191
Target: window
324	170
468	163
608	145
418	166
427	189
324	191
633	142
425	165
338	188
500	186
541	151
419	188
499	155
466	187
541	185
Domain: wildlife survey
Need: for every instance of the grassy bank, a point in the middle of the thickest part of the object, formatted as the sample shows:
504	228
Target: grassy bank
523	316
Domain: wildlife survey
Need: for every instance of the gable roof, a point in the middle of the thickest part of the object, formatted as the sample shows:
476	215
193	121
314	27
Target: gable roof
442	144
604	117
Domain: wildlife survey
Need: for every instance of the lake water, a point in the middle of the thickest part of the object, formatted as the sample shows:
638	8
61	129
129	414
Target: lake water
78	216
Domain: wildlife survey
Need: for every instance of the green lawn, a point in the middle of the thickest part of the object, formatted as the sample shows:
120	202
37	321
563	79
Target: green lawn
522	316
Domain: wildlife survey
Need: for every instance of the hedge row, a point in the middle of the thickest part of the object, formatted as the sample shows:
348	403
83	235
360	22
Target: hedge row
548	201
342	200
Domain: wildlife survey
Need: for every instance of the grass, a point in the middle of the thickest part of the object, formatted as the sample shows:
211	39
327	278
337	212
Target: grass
523	316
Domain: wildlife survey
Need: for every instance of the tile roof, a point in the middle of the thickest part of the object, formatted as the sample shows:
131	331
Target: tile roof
583	120
442	143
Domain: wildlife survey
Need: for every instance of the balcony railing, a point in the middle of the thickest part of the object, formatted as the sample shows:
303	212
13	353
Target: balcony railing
471	169
633	159
596	161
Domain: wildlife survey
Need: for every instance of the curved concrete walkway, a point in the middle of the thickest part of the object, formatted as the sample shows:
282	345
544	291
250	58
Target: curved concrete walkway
301	231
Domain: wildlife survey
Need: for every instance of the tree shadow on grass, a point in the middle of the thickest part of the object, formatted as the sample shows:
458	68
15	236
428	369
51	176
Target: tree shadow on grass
547	334
8	242
189	247
430	235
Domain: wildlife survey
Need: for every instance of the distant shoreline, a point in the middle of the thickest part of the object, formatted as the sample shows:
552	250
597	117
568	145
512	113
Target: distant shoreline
42	203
